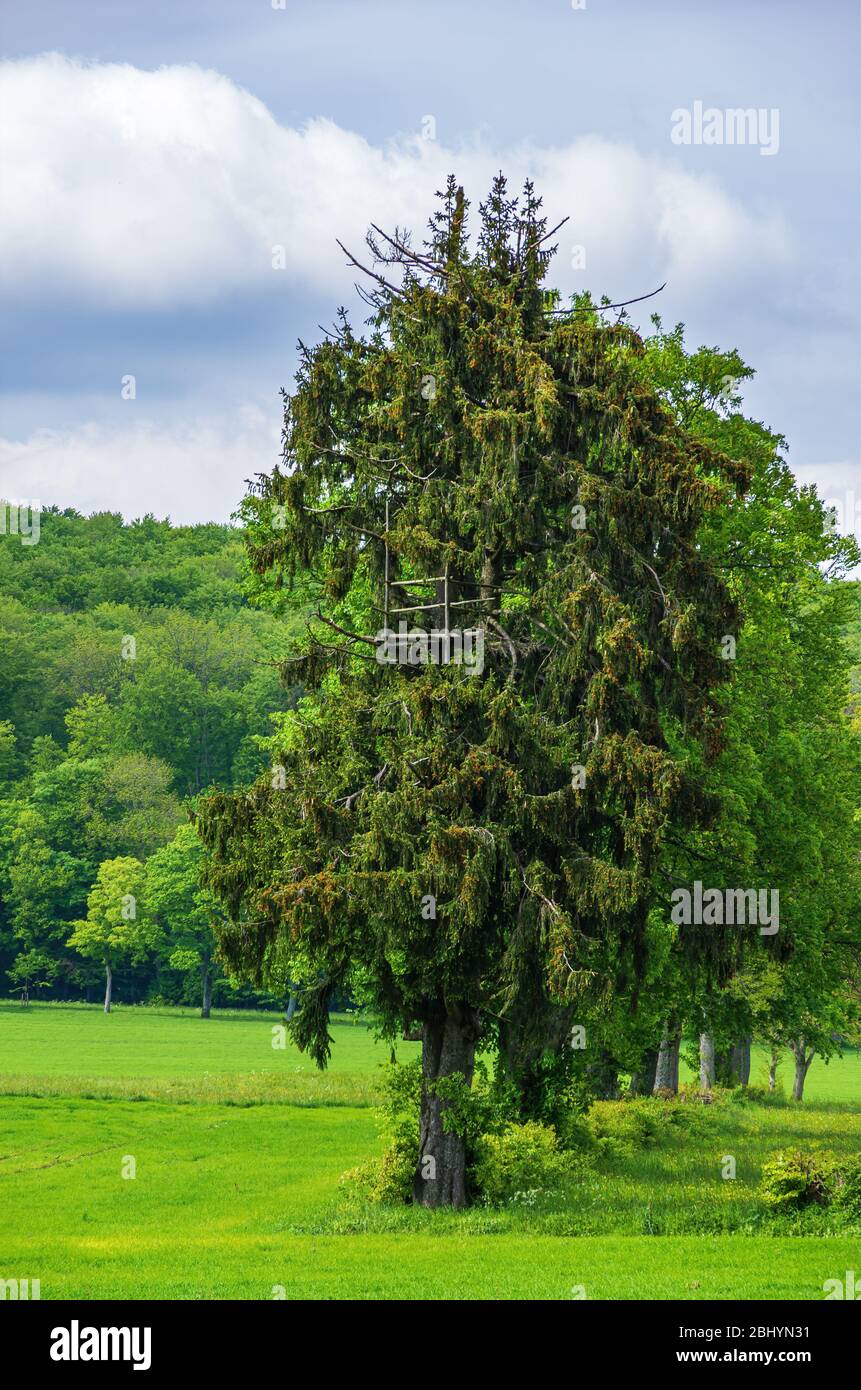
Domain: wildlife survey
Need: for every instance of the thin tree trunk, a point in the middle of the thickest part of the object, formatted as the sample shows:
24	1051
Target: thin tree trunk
206	1004
733	1066
109	979
772	1070
802	1067
292	1005
448	1048
667	1072
707	1061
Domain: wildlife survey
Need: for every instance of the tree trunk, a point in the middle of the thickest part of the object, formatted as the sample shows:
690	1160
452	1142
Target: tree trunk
732	1067
667	1071
534	1027
643	1079
603	1076
206	1004
292	1005
772	1070
448	1048
707	1061
802	1067
109	979
740	1061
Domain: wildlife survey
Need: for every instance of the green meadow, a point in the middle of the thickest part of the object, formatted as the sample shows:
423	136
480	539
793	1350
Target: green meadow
238	1148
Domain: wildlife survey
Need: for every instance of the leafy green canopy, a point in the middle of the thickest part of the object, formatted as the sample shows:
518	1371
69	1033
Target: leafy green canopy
114	928
478	419
97	750
788	775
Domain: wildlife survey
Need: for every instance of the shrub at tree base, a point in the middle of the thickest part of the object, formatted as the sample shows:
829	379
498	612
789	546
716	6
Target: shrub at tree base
507	1161
793	1179
511	1162
845	1189
755	1095
523	1164
796	1180
388	1179
620	1127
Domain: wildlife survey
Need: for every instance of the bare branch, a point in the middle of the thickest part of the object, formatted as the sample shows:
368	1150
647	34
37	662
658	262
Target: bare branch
372	274
600	308
353	636
410	254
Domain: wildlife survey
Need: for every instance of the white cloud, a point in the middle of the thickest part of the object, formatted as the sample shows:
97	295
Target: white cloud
133	189
191	472
137	188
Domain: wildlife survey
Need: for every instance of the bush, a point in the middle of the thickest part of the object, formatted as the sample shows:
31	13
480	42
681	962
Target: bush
793	1179
574	1132
485	1107
522	1164
620	1127
845	1188
390	1178
690	1094
754	1095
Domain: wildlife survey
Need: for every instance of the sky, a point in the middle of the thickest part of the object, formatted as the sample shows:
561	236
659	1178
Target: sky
174	176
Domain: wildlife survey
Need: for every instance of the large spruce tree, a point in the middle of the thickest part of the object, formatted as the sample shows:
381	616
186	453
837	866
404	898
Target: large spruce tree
464	847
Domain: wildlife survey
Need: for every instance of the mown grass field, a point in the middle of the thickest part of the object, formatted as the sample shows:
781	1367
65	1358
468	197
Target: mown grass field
238	1151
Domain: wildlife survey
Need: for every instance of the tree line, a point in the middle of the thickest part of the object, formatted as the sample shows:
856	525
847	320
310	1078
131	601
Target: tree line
134	674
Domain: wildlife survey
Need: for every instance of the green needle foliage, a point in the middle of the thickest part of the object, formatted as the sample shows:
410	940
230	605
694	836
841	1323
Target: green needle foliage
468	850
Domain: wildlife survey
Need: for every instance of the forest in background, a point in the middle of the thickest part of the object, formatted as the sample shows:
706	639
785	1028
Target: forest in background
134	674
